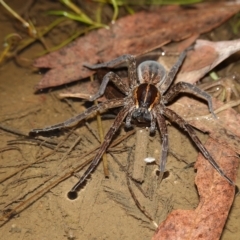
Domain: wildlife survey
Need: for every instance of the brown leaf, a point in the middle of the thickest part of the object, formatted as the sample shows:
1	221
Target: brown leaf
205	57
216	197
133	34
225	129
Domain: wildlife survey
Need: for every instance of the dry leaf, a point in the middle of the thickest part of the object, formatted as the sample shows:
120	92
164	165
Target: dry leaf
205	57
133	34
225	130
216	197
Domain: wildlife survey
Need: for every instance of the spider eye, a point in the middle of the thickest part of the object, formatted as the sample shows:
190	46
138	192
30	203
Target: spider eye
147	116
142	115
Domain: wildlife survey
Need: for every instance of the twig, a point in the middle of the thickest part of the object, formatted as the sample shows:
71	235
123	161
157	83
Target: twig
220	109
46	189
38	160
140	153
20	114
12	130
8	148
128	177
138	204
71	148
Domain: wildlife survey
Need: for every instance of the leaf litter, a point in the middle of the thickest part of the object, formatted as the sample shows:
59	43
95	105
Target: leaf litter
223	144
216	197
206	55
63	66
131	35
224	140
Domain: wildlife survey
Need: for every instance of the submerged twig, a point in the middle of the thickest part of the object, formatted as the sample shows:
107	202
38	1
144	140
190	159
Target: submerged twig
71	148
40	193
38	160
128	177
218	110
13	131
140	154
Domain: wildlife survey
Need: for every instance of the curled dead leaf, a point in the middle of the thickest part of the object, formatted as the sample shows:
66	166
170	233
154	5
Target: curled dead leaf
216	197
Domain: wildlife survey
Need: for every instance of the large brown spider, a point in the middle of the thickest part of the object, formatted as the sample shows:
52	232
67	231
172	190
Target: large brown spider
145	101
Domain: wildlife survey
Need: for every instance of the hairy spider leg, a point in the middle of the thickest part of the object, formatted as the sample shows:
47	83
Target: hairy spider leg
188	87
164	135
168	79
183	124
113	103
116	124
111	76
131	65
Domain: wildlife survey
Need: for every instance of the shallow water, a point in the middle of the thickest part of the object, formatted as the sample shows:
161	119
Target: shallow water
105	208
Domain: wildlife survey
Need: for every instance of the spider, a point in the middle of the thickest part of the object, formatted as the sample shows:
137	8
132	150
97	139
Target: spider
146	98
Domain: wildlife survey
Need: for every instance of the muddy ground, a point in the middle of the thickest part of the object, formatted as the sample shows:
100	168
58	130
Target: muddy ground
105	208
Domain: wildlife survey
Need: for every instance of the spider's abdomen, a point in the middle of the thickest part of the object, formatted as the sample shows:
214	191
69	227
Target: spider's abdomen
146	96
151	72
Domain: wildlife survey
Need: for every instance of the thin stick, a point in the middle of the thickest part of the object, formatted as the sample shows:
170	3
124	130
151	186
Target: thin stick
140	153
128	177
71	148
227	105
46	189
12	130
24	22
30	164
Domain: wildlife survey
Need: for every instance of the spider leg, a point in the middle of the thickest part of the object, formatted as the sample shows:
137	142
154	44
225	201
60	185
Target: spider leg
131	64
188	87
92	110
128	120
183	124
164	85
152	126
117	122
111	76
164	134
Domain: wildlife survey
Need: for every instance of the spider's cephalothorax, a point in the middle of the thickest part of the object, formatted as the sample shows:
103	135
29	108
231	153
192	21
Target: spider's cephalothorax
145	97
149	91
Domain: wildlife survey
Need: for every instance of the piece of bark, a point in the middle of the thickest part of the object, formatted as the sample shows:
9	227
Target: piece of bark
134	34
216	197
